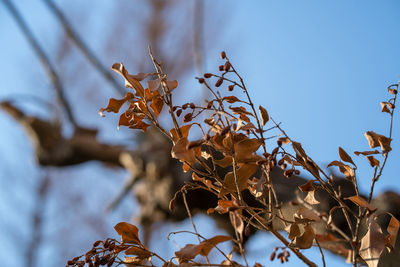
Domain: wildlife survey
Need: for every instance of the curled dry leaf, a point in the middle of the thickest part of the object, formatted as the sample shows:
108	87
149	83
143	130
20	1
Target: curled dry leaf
375	140
393	229
309	186
157	105
372	244
130	81
372	161
190	251
231	99
293	230
384	107
306	215
244	149
243	173
310	198
306	240
284	140
264	115
345	157
114	105
140	252
128	232
366	153
347	170
361	202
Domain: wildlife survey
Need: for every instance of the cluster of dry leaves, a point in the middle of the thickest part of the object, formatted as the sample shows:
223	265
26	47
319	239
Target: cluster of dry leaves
233	144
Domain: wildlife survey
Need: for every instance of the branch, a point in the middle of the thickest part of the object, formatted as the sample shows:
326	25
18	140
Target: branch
44	60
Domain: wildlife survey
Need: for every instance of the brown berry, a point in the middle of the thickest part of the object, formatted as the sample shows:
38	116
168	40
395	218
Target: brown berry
219	82
230	87
208	75
201	80
222	55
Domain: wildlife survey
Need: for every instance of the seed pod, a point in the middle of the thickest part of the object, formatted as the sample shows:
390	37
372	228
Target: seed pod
201	80
281	161
272	257
219	82
188	117
208	75
95	244
227	66
222	55
192	105
230	87
221	67
288	173
297	172
185	106
283	166
178	112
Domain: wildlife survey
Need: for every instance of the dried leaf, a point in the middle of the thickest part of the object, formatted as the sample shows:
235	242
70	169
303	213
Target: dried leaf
345	157
306	239
375	140
243	174
264	115
304	213
244	149
130	81
157	105
310	198
184	131
225	162
309	186
208	244
293	230
187	253
171	85
240	110
384	107
142	253
128	232
393	229
154	85
114	105
231	99
284	140
372	244
180	151
361	202
366	153
347	170
373	161
237	222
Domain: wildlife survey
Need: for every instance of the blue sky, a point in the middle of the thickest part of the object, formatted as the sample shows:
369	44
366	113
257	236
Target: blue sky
319	67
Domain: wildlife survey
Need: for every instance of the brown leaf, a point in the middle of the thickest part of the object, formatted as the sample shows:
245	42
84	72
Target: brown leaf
366	153
187	253
306	239
142	253
373	161
304	213
184	131
345	157
244	149
157	105
171	85
208	244
240	110
310	198
243	174
309	186
361	202
372	244
114	105
130	81
180	151
237	222
284	140
225	162
293	230
154	85
375	140
231	99
128	232
224	206
384	107
393	229
347	170
264	115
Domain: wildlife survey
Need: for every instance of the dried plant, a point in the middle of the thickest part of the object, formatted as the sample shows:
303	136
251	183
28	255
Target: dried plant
231	158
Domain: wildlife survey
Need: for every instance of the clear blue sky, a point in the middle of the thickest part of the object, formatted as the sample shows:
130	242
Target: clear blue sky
319	67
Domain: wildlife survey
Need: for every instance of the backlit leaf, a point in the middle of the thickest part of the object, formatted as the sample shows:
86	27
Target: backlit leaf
128	232
130	81
243	174
310	198
393	229
208	244
345	157
361	202
306	239
264	115
157	105
373	161
372	244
